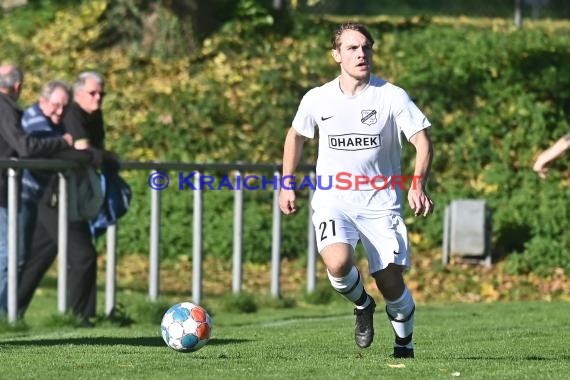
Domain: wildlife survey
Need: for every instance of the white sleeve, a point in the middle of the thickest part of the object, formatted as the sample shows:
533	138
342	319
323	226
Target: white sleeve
409	118
304	122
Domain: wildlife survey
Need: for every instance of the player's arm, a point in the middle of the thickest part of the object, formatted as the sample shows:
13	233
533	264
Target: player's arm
291	156
551	154
418	198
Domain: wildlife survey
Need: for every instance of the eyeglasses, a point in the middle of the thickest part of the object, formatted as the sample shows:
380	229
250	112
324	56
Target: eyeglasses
57	105
93	93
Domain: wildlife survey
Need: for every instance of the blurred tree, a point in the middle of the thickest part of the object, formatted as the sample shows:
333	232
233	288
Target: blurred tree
164	28
7	4
518	14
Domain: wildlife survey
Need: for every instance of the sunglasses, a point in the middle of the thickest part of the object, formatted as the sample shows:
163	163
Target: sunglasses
93	93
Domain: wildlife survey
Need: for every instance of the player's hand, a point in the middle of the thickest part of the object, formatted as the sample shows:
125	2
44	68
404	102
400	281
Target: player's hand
420	202
287	201
540	169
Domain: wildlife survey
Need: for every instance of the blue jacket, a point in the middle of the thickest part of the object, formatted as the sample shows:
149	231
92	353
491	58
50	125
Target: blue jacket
117	199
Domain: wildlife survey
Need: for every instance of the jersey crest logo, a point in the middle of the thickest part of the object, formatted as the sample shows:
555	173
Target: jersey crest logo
368	117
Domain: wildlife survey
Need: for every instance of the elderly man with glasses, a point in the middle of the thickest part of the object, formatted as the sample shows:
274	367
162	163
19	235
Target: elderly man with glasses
41	120
83	119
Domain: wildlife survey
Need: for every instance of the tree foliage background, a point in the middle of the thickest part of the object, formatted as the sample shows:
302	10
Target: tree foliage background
219	81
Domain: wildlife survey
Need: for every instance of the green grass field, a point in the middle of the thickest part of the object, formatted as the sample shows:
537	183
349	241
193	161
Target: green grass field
523	340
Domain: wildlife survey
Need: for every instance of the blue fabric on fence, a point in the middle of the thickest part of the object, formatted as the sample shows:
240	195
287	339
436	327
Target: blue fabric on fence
117	199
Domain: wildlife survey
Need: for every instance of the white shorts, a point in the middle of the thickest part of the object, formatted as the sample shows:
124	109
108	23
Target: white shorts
385	238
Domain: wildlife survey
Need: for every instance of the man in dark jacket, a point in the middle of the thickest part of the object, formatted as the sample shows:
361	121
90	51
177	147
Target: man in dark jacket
83	119
14	142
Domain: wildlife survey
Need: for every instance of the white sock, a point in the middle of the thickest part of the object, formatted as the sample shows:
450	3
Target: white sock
351	287
401	315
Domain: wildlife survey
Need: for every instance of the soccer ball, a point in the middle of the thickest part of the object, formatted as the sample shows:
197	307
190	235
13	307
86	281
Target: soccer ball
186	327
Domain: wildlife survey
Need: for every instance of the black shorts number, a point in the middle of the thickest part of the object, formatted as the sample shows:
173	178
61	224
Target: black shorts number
323	228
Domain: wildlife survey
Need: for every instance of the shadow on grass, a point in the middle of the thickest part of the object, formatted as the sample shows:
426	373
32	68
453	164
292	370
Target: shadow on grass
293	319
108	341
510	358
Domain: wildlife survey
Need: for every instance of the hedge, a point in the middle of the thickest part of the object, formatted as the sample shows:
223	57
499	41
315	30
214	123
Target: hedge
495	95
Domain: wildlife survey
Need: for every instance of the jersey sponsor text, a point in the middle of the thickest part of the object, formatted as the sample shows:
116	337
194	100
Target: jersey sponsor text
354	141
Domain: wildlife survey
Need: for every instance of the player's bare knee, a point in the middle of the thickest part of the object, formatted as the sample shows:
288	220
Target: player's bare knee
339	268
338	259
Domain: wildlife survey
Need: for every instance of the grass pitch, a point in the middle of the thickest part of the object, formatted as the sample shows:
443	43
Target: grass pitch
522	340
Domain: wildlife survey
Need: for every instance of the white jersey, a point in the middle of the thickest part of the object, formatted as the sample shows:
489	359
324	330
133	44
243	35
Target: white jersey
359	139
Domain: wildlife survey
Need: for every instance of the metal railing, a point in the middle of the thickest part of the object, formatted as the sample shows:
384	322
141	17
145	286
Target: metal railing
14	166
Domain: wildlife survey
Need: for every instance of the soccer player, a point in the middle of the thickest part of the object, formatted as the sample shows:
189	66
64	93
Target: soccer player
361	118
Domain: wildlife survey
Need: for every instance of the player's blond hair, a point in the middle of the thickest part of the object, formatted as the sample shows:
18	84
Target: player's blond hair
335	38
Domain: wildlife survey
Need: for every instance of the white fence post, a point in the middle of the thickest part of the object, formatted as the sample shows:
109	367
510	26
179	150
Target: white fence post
197	245
111	270
238	236
311	243
62	245
154	273
12	282
276	243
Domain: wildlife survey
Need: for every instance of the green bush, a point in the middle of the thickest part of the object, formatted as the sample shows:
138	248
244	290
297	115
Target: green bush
242	303
496	100
495	95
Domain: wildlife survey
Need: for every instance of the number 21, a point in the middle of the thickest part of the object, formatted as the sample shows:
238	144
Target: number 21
323	228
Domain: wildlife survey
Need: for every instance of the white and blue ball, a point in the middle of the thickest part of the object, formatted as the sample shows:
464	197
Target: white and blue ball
186	327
